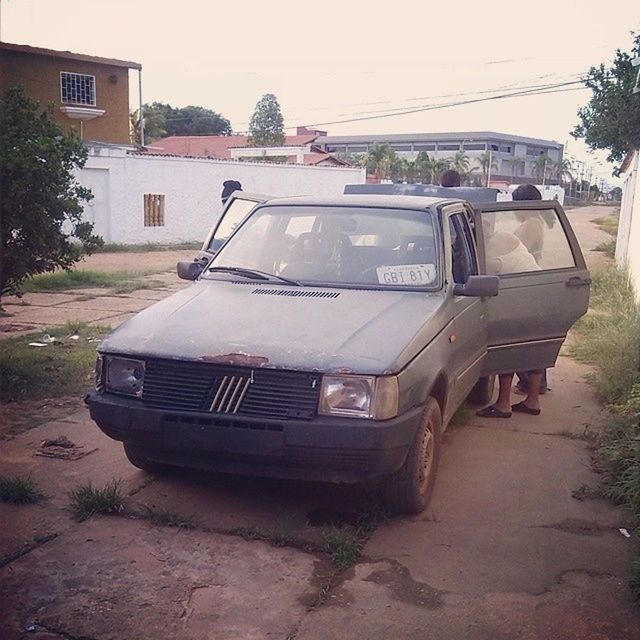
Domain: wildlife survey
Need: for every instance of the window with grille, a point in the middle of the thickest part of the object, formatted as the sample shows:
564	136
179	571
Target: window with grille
78	88
153	210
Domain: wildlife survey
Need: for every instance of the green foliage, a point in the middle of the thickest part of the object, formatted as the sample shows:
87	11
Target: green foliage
611	119
266	128
41	205
87	500
164	518
59	369
121	281
486	160
608	247
18	490
343	546
162	119
381	159
608	224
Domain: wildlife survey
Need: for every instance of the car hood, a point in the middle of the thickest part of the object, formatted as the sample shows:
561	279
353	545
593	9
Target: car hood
279	326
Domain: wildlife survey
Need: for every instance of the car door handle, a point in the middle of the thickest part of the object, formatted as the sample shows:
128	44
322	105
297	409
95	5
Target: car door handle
577	281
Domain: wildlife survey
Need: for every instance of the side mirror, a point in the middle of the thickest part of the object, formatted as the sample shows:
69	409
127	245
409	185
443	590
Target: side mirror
478	287
189	270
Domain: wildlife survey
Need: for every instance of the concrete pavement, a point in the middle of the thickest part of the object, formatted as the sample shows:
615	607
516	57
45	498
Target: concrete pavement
507	550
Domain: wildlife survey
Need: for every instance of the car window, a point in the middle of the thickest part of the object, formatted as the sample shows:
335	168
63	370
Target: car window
525	240
236	212
341	245
463	254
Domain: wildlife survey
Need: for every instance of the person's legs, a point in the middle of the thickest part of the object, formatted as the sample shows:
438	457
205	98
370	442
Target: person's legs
532	401
505	380
502	407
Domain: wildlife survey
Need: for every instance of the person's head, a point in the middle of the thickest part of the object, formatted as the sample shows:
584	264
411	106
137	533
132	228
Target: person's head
450	178
228	187
526	192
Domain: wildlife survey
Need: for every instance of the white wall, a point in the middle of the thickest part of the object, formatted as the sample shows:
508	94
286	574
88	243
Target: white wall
628	240
192	188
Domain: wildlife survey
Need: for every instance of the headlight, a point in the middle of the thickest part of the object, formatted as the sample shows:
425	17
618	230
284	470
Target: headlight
359	397
124	375
99	366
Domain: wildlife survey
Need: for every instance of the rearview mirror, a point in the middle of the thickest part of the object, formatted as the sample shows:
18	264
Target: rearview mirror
189	270
478	287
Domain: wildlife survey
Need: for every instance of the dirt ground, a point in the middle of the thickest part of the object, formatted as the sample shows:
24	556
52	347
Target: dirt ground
511	546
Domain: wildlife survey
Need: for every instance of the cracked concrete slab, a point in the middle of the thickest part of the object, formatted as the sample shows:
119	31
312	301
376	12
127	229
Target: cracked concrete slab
110	303
121	579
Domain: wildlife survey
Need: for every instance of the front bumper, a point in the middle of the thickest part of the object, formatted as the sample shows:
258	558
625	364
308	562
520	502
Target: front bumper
323	449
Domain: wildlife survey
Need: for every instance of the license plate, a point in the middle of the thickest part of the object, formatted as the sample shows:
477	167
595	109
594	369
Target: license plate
416	275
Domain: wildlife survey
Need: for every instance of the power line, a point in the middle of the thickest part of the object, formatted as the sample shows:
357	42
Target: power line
531	92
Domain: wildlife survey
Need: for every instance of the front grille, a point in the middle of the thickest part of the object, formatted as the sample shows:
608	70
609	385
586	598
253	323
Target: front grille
211	388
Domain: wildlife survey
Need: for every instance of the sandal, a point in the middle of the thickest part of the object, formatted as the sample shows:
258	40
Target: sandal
521	407
493	412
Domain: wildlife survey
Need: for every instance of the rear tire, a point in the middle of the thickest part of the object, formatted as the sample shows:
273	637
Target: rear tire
139	460
409	489
482	393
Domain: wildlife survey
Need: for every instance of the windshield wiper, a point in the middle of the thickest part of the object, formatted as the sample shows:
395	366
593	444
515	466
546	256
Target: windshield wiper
254	273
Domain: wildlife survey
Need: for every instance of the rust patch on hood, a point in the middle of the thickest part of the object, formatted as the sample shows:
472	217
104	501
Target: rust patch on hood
237	359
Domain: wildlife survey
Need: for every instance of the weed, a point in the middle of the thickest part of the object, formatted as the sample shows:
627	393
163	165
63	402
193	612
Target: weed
634	581
608	224
18	490
114	247
87	500
587	492
283	534
81	279
343	546
249	533
62	368
608	247
164	518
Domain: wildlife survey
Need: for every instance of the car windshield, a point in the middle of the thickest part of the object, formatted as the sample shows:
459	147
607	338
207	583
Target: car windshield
361	246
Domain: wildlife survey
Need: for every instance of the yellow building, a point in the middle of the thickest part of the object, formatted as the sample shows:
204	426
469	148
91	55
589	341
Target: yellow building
89	93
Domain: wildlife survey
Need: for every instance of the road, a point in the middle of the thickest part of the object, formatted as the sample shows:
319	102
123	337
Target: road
511	546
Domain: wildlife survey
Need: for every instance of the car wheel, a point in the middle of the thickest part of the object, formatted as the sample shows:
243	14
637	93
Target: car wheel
482	393
138	459
409	489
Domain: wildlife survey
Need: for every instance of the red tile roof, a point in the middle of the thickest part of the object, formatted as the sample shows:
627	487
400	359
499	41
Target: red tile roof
215	146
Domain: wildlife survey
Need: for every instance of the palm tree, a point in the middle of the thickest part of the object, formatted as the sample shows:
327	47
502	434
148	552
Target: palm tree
460	162
438	166
380	160
486	162
563	169
424	167
542	167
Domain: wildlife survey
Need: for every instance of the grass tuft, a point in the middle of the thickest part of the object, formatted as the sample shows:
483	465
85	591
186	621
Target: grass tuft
87	500
18	490
609	338
164	518
115	247
608	224
64	367
343	546
122	281
608	247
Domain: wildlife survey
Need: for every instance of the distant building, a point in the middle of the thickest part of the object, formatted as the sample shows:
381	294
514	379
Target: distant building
298	149
89	93
514	156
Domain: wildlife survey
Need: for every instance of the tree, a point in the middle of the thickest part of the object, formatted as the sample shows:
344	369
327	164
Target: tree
266	128
381	159
563	170
424	166
162	119
542	167
154	125
486	161
460	162
41	205
611	119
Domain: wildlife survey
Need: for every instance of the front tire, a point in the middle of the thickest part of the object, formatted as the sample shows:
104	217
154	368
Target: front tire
139	460
409	489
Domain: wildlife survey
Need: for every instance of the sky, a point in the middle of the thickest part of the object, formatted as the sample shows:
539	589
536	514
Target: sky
341	60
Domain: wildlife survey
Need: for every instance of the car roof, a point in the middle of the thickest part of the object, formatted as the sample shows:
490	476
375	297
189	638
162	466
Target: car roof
364	200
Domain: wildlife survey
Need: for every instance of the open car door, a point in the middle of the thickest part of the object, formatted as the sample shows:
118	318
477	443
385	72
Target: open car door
544	282
235	211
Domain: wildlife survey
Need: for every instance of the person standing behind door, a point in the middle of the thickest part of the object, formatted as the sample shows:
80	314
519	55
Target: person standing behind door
228	187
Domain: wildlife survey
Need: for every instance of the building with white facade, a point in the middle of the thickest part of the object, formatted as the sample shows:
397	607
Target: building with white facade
515	156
